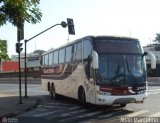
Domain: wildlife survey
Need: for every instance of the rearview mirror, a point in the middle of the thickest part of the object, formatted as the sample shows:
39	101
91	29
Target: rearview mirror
152	58
95	63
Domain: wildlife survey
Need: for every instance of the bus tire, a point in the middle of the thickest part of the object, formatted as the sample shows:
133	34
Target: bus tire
52	91
48	86
123	105
82	98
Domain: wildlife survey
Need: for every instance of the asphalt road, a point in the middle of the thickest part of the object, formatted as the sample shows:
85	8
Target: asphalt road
13	90
68	110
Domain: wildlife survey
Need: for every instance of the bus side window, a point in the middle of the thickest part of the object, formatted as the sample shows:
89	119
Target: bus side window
55	57
68	54
51	59
61	55
46	59
77	52
43	60
87	49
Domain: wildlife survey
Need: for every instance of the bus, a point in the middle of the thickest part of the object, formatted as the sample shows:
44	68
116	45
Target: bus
101	70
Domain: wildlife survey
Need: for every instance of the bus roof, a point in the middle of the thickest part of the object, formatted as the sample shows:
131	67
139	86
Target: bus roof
94	38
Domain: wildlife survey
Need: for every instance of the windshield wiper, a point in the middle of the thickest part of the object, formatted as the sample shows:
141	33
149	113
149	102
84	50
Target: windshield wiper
127	66
129	71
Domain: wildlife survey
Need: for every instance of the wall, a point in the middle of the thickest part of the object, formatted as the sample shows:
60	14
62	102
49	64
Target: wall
8	66
33	74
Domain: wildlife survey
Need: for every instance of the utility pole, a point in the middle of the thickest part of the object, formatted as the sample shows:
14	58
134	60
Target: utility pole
20	36
63	24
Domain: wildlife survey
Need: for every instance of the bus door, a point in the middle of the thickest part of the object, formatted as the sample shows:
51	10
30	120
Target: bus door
92	91
90	84
87	58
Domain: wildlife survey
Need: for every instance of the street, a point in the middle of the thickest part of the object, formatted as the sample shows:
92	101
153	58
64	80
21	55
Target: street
68	110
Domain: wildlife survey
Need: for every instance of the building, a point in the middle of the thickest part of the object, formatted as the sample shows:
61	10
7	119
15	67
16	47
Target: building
152	72
9	66
33	60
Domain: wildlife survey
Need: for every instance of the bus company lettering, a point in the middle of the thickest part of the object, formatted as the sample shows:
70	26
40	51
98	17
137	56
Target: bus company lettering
141	88
105	88
45	71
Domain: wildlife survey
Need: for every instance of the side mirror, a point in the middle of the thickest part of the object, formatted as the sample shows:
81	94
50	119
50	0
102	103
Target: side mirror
95	63
144	54
152	58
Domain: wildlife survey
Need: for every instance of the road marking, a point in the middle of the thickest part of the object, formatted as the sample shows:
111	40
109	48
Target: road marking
9	90
37	91
155	115
110	114
87	114
134	114
46	113
153	90
94	113
77	107
49	106
41	109
153	93
69	109
61	104
74	112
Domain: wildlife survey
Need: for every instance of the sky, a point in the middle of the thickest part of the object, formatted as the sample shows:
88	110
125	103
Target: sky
132	18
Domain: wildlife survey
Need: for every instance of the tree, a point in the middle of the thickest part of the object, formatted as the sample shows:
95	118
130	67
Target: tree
19	11
3	50
157	42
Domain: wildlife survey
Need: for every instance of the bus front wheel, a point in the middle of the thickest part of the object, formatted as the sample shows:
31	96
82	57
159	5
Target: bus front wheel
82	98
123	105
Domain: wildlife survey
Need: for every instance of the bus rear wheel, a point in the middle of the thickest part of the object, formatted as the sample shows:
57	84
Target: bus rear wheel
52	92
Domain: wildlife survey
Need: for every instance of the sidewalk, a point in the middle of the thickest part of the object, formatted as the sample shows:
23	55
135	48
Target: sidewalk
9	106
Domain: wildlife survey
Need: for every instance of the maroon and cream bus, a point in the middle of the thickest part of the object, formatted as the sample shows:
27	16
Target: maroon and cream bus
101	70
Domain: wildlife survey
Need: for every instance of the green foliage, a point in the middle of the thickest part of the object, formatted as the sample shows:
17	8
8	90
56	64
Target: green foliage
157	42
3	50
19	11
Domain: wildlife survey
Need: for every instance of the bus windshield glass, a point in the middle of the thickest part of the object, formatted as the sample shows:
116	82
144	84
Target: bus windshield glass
120	63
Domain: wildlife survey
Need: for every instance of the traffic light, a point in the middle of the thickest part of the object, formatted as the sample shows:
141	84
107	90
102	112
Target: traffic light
70	26
20	33
19	47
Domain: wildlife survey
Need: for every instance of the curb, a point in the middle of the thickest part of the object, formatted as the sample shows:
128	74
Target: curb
34	106
10	115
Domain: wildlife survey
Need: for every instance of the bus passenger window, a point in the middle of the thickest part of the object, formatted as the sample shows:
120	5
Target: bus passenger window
46	59
61	55
68	54
77	52
50	58
55	57
43	61
87	49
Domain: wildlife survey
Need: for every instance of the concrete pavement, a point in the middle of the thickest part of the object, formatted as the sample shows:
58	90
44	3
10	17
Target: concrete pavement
9	106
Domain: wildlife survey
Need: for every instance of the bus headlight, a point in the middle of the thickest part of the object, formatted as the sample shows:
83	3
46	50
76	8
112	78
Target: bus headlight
103	93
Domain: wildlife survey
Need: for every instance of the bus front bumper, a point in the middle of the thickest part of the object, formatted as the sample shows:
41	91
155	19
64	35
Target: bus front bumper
124	99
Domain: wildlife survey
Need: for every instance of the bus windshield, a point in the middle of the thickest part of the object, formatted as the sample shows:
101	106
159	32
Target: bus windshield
120	63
